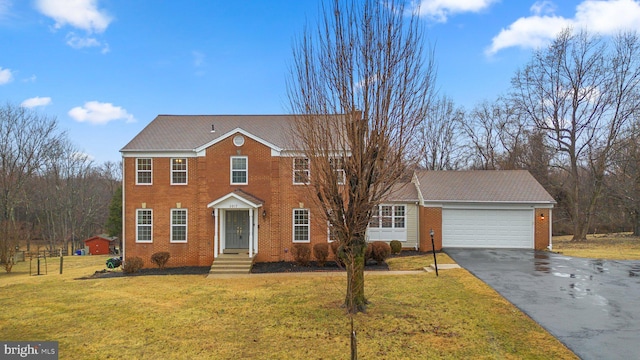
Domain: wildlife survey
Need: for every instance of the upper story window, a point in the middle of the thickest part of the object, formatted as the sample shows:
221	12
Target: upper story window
337	165
143	171
144	225
178	171
388	216
301	225
239	170
179	225
300	170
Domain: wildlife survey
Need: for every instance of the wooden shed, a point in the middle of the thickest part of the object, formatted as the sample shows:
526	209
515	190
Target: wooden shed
99	244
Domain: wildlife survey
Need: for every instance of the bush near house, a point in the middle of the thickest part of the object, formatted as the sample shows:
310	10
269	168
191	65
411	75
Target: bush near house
321	253
378	251
396	246
132	265
301	254
334	249
160	258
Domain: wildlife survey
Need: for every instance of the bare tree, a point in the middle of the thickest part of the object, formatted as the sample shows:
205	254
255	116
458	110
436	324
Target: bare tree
365	61
26	140
581	92
438	137
623	182
495	136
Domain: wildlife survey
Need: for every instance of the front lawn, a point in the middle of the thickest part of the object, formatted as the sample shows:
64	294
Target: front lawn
617	246
264	317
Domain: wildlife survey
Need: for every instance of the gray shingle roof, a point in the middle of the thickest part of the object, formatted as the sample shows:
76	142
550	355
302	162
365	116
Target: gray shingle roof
403	192
189	132
508	186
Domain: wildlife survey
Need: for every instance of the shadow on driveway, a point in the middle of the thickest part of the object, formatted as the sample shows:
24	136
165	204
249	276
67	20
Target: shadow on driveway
592	306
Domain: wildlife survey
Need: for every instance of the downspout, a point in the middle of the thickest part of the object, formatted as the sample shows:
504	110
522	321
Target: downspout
417	246
124	207
550	229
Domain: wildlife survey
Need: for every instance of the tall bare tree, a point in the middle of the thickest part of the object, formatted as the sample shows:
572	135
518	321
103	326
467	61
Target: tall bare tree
26	141
366	60
581	92
438	137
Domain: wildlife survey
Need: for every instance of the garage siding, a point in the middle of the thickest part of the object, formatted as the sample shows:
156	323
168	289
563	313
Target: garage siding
488	228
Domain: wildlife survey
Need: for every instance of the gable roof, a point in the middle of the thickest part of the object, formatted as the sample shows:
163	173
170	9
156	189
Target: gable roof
194	132
502	186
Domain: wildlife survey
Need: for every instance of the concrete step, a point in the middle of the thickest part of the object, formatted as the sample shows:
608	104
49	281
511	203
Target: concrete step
226	264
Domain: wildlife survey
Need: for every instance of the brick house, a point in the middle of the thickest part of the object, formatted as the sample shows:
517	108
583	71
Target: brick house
200	186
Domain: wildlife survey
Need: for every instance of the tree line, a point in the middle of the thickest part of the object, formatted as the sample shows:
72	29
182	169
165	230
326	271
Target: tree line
52	195
571	118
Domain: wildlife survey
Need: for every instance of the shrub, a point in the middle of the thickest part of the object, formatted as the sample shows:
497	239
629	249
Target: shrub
321	253
335	248
132	265
301	254
378	251
396	246
160	258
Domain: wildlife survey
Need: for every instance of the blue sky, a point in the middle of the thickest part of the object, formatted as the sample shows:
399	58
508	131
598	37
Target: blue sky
106	68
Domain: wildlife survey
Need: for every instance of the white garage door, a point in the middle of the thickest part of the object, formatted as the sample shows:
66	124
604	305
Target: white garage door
477	228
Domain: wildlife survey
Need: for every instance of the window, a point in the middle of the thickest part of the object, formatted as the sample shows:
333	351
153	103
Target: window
239	170
143	171
178	171
179	225
301	225
144	221
337	165
388	216
300	171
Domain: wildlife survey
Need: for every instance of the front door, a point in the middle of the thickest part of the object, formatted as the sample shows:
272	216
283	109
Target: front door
237	229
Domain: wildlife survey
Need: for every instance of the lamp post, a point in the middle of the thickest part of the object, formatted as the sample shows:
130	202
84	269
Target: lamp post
433	247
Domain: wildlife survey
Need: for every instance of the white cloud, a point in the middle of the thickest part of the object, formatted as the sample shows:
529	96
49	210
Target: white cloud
95	112
4	8
36	101
440	10
79	42
5	76
31	79
599	16
529	32
608	17
81	14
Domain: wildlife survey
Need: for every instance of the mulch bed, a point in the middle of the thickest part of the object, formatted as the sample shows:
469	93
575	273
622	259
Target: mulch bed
183	270
258	268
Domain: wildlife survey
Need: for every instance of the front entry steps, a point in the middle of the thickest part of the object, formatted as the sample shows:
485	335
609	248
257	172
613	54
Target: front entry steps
232	263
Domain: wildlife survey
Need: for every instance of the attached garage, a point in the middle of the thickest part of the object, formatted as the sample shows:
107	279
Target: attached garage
483	209
487	228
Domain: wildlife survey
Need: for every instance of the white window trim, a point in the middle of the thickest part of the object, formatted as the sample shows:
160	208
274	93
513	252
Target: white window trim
307	171
393	217
340	173
307	225
138	226
185	171
138	171
246	170
186	226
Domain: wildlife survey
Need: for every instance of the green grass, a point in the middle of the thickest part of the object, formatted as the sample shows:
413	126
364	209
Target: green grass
265	317
617	246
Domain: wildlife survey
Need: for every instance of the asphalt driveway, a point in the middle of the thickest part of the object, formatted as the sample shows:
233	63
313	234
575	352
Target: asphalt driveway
592	306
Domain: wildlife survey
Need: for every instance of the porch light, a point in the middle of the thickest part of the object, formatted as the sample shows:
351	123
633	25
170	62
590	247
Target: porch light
264	213
541	216
213	213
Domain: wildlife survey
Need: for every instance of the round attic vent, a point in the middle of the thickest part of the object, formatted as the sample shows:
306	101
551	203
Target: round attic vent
238	140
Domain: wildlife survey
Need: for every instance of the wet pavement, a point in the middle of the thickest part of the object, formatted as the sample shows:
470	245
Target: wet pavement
592	306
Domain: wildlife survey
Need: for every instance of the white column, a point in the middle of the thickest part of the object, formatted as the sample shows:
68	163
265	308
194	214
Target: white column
216	216
250	232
